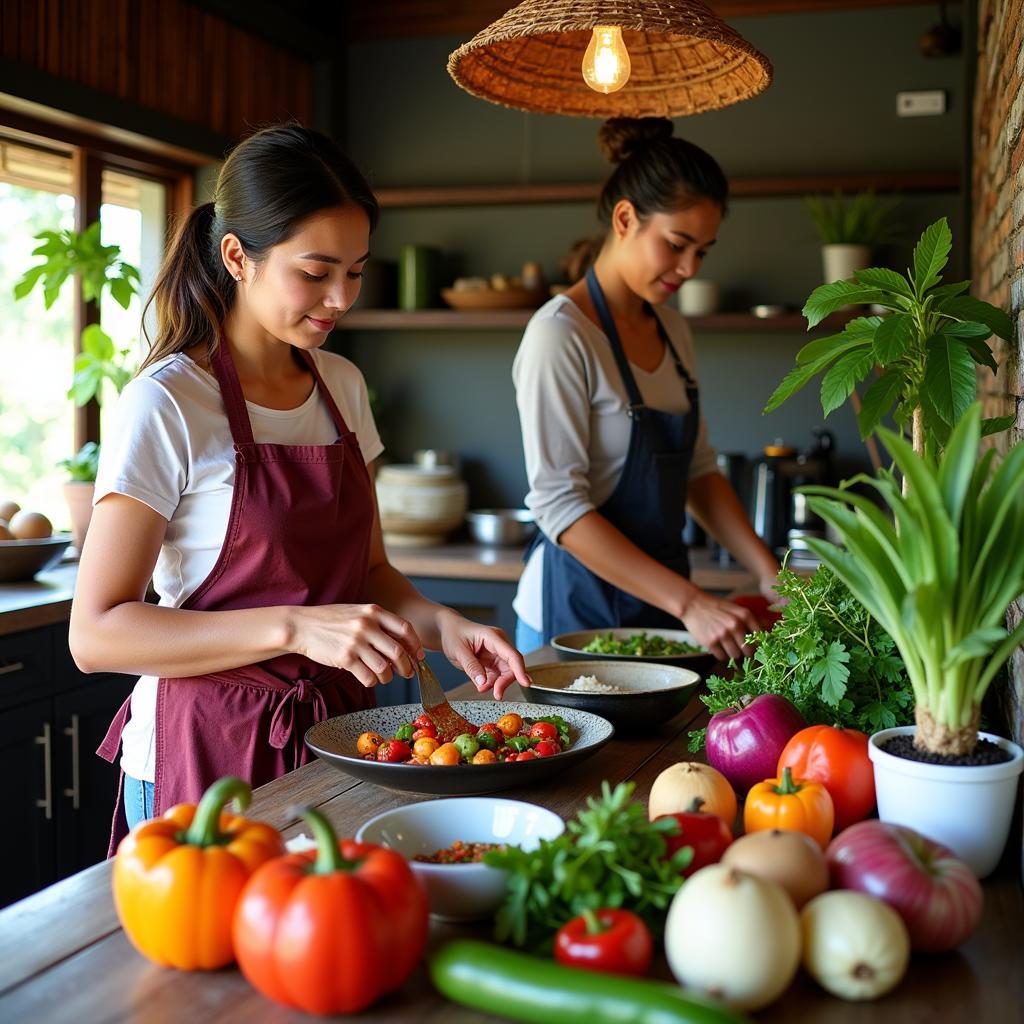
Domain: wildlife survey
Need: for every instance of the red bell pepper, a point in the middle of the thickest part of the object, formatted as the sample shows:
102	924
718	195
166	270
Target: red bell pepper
706	834
611	940
331	930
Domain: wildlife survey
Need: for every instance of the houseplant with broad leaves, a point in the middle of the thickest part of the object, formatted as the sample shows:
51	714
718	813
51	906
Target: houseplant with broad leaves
67	254
939	573
924	350
849	229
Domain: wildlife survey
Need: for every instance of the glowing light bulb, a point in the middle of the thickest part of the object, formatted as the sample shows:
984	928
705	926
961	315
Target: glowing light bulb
606	62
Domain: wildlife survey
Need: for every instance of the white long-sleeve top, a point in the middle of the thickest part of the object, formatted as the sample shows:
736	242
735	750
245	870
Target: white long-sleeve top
572	409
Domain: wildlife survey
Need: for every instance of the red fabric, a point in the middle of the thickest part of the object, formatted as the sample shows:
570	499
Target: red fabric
298	534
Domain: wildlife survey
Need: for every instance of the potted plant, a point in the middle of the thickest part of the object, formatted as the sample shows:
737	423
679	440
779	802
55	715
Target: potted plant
925	349
939	576
849	229
66	254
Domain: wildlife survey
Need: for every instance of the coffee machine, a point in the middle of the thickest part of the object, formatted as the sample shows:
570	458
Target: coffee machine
782	518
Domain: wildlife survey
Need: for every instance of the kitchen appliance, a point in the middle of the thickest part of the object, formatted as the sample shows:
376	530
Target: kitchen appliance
735	467
775	509
501	525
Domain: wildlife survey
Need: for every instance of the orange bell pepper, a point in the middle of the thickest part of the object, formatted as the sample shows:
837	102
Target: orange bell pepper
177	878
331	930
799	806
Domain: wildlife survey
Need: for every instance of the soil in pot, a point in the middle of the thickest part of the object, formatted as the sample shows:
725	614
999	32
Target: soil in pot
986	752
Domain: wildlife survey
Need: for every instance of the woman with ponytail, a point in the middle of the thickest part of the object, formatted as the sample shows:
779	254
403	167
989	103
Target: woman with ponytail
239	479
616	447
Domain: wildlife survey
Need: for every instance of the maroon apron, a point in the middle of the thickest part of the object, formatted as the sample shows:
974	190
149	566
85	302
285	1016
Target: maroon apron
298	534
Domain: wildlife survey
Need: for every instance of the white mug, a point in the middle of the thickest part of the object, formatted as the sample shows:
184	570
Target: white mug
698	297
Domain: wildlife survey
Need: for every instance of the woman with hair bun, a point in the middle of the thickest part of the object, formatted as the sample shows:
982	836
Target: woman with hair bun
616	448
239	479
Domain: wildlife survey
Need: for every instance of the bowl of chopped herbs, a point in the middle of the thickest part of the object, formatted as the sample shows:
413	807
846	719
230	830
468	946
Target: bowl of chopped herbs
663	646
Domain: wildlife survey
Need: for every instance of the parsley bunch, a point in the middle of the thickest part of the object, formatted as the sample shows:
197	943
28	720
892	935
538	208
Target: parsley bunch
828	656
609	856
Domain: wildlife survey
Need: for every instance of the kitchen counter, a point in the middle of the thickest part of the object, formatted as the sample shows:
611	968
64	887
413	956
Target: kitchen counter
46	600
63	957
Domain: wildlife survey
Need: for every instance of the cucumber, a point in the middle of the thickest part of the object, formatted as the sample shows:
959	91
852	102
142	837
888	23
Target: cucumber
525	988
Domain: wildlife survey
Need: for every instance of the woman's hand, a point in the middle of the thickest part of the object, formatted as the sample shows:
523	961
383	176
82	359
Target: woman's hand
719	625
482	652
363	639
766	585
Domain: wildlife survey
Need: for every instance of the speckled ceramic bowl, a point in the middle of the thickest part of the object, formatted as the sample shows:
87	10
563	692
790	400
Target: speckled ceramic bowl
335	741
654	693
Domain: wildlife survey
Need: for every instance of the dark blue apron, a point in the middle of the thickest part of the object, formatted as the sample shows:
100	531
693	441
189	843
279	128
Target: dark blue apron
648	505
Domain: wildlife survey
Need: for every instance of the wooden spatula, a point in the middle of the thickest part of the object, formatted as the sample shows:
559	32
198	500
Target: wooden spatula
448	721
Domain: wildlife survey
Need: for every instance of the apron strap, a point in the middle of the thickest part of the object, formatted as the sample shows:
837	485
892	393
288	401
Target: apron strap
636	402
231	394
325	394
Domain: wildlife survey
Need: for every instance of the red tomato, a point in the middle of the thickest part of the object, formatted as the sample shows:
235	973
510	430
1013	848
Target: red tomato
428	731
838	759
394	750
511	757
546	748
525	755
612	941
543	731
706	834
423	722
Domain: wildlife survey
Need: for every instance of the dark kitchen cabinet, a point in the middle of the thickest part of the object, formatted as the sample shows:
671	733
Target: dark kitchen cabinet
58	796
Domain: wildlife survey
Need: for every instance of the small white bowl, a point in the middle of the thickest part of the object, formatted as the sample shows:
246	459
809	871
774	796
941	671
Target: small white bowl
461	892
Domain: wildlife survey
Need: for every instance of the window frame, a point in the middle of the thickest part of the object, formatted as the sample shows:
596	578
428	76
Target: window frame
91	153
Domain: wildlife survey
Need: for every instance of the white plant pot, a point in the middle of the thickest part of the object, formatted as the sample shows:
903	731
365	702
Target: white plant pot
965	807
840	261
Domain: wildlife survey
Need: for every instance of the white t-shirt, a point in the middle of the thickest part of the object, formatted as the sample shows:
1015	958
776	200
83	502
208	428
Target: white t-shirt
171	448
572	407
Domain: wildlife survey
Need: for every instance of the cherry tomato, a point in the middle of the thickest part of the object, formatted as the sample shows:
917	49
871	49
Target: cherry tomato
368	743
706	834
426	730
611	940
393	751
510	724
423	722
424	747
527	755
511	757
543	731
445	754
546	748
485	756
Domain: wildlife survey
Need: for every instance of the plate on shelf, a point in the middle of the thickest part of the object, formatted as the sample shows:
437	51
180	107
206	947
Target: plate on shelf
334	740
488	298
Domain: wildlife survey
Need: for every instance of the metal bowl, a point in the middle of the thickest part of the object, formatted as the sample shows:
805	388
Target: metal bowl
501	525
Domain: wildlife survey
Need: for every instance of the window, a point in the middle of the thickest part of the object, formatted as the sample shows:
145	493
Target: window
52	184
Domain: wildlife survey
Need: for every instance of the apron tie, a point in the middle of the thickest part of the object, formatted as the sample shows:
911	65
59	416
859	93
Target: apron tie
282	724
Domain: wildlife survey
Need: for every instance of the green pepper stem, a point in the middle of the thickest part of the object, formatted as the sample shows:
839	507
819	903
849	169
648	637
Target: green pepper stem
594	926
205	827
328	857
788	787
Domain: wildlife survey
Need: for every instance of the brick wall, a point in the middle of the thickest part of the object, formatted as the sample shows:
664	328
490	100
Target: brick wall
997	247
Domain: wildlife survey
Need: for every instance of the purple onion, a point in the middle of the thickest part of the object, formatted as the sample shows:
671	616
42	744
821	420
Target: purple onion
744	741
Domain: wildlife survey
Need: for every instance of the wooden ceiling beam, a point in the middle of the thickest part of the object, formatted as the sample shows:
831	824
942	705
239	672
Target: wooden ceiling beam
394	19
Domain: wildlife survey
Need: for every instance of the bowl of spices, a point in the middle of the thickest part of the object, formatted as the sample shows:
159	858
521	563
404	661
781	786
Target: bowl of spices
445	840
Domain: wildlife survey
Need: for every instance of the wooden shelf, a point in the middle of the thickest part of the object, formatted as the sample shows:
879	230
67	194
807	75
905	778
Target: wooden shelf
587	192
516	320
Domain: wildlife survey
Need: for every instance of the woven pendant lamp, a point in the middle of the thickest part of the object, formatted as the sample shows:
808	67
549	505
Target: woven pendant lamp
684	59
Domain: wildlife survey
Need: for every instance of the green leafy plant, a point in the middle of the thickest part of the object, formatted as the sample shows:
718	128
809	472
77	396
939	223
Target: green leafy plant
827	655
863	219
609	856
98	267
82	466
939	574
924	350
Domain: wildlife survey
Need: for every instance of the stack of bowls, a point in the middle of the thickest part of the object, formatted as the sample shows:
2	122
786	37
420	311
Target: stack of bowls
420	505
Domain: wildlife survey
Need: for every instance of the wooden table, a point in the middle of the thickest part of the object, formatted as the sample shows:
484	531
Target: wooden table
63	957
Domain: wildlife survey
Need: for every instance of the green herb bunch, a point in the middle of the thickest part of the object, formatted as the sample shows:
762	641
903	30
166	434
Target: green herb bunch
827	655
609	856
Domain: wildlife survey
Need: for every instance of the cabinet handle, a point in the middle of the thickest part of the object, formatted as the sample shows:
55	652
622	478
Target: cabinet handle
72	731
47	802
14	666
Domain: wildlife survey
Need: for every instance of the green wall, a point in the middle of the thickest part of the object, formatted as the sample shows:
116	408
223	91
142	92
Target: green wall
831	109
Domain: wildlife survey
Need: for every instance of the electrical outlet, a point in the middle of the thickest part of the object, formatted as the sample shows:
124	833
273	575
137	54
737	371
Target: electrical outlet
925	103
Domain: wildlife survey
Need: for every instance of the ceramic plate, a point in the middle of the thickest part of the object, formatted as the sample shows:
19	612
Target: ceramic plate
334	740
570	647
655	693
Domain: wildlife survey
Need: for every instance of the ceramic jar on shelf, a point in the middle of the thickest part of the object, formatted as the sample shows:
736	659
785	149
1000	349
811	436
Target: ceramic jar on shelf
420	505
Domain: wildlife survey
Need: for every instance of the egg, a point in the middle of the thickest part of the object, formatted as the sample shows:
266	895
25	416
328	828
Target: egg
8	510
30	526
5	533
